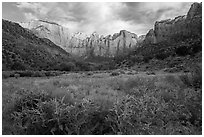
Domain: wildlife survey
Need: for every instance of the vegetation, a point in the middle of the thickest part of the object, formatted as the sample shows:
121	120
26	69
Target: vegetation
164	55
125	95
29	73
99	104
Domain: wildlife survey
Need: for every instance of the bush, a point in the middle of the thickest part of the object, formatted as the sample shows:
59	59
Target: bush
5	74
27	73
172	70
37	74
150	73
66	66
83	66
18	66
16	75
89	73
36	113
195	78
115	73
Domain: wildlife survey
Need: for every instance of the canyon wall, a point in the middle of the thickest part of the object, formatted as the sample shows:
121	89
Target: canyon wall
119	43
177	28
50	30
82	45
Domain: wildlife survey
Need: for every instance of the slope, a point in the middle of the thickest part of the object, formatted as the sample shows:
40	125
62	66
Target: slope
22	50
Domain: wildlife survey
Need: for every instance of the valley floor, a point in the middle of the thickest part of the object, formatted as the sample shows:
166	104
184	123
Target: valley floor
128	103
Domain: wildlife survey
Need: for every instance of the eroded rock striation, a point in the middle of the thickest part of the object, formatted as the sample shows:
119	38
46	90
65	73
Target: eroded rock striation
111	45
179	27
50	30
82	45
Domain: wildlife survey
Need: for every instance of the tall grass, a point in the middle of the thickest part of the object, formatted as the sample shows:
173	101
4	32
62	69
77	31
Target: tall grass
194	79
146	106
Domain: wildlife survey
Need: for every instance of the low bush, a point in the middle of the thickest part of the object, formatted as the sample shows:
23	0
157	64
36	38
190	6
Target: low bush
194	79
5	75
172	70
89	73
150	73
37	113
30	73
115	73
69	66
16	75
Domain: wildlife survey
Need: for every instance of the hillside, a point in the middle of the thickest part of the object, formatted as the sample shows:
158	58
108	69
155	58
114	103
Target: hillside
173	43
22	50
160	48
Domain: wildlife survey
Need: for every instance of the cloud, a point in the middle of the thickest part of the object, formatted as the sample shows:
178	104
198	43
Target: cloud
151	11
30	16
104	18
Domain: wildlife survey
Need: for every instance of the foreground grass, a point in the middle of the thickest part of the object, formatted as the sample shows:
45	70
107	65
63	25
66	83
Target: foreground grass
100	104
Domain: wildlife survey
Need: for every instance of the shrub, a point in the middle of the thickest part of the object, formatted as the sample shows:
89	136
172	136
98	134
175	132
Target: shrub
37	113
195	78
56	83
115	73
38	74
5	74
16	75
18	66
172	70
89	73
150	73
69	66
27	73
137	58
83	66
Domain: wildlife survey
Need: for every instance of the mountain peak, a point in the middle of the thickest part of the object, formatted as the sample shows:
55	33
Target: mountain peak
49	22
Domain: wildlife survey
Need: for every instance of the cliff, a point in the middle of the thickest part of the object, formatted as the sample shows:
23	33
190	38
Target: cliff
22	50
177	28
82	45
50	30
111	45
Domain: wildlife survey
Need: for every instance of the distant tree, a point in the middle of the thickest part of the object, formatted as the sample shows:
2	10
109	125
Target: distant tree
69	66
18	66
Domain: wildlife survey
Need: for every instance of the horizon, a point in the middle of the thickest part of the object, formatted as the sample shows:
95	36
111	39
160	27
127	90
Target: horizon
102	18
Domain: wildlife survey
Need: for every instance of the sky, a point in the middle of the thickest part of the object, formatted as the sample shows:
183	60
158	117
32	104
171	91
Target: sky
103	18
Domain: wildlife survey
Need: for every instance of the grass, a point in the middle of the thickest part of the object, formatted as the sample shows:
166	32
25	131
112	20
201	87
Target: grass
30	73
80	104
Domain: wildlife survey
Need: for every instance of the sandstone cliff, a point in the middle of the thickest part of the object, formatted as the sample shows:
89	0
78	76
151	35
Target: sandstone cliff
51	30
82	45
177	28
22	50
111	45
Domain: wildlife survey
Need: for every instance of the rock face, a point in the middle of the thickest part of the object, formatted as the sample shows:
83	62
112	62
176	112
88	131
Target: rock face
22	50
150	37
109	46
177	28
141	38
82	45
50	30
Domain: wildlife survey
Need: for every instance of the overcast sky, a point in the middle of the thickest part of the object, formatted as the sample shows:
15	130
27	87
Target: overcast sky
104	18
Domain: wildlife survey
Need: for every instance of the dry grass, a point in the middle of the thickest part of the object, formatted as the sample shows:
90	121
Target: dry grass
126	104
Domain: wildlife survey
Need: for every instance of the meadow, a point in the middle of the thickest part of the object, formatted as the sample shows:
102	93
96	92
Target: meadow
103	102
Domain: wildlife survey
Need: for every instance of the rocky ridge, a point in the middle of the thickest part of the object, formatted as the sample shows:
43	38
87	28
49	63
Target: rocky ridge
81	44
119	43
22	50
177	28
50	30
